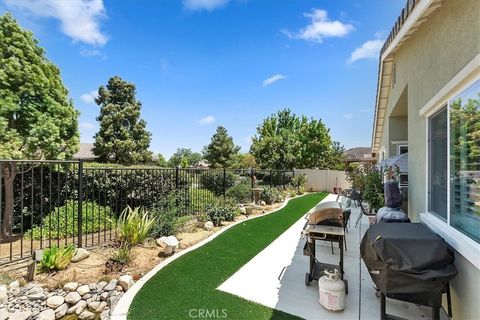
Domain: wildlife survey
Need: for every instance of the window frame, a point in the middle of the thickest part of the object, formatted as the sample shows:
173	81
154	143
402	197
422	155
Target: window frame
399	148
465	245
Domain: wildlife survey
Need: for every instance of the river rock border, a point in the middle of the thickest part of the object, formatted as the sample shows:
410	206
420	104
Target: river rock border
78	301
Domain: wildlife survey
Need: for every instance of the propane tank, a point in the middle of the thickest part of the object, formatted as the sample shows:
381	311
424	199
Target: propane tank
332	291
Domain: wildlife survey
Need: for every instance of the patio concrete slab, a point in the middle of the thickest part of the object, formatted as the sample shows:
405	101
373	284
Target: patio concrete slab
275	278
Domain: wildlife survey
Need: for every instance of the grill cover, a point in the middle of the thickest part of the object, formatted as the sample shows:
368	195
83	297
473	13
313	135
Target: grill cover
407	261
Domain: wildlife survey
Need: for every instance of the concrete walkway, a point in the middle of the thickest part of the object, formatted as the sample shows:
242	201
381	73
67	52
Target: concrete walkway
258	280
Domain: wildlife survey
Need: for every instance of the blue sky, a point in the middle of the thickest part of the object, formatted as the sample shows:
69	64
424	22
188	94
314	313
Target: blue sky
202	63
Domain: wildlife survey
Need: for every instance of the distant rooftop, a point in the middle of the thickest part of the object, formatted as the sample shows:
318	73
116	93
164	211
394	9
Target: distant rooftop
359	153
85	152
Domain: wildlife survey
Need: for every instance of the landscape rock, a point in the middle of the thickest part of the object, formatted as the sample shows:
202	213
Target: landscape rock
14	288
94	305
71	286
208	226
61	311
37	296
263	203
161	241
101	285
4	314
78	308
20	315
83	290
126	282
110	286
101	306
73	297
105	315
47	314
171	244
86	315
3	294
80	254
55	301
243	210
104	296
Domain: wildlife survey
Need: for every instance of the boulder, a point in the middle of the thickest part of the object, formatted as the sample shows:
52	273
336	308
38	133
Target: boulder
94	305
171	243
105	315
47	314
20	315
73	297
243	210
263	203
83	290
61	311
71	286
14	287
161	242
208	226
3	294
80	254
55	301
126	282
4	314
86	315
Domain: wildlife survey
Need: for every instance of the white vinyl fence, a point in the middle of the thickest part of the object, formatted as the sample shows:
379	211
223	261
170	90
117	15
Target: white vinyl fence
324	180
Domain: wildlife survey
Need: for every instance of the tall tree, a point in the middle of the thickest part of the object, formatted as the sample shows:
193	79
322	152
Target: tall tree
184	157
37	119
286	141
122	137
161	162
221	151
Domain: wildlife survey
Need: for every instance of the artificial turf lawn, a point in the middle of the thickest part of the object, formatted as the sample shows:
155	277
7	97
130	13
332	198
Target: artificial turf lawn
190	281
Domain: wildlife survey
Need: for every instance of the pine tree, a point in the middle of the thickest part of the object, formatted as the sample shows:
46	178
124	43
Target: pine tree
221	151
122	137
37	119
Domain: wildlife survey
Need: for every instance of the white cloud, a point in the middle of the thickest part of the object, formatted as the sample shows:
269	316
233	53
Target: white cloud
89	97
80	19
87	125
206	120
273	79
368	50
348	116
204	4
320	27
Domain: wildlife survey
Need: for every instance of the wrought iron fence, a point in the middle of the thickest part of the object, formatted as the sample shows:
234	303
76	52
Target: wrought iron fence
45	203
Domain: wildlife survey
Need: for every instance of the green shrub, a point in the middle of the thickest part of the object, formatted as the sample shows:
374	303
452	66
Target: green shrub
213	181
271	195
134	225
299	183
222	210
56	258
199	199
241	192
167	223
63	221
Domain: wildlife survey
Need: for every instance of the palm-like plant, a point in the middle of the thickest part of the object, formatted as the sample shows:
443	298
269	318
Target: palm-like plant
134	225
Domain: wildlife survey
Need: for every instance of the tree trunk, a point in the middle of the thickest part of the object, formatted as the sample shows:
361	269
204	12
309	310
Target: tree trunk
9	172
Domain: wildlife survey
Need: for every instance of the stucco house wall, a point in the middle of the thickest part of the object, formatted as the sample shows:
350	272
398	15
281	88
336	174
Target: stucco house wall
440	48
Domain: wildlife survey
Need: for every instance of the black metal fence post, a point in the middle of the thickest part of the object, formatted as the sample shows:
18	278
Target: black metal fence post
224	182
80	204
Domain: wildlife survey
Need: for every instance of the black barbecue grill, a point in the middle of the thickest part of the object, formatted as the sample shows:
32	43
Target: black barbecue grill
409	262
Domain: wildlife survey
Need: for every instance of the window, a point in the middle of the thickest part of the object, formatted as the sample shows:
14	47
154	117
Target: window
437	184
454	162
401	149
403	179
465	162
